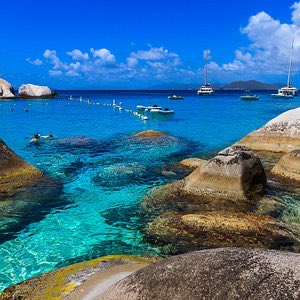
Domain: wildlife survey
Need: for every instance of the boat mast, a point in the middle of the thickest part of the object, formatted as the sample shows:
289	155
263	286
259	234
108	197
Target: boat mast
290	66
206	56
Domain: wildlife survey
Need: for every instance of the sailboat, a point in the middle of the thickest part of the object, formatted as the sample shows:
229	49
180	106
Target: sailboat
206	89
288	91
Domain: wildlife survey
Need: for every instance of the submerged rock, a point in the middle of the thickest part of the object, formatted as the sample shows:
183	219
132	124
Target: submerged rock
234	173
6	90
281	134
218	274
188	232
15	173
35	91
149	134
288	166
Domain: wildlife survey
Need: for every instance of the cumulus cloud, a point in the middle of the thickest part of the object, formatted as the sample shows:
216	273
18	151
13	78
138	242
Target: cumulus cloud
35	62
78	55
270	44
104	56
52	57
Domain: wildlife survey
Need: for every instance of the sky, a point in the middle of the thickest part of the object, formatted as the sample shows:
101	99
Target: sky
114	44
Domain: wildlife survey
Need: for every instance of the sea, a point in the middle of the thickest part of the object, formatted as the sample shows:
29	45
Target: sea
101	174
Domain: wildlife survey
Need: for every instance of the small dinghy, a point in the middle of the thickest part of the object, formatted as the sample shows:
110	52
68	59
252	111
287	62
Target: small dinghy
142	107
175	97
249	97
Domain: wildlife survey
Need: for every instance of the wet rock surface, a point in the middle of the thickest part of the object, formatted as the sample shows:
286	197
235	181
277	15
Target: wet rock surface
188	232
149	134
15	173
229	273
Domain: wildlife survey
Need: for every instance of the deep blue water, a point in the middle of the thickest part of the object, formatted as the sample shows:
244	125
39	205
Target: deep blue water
102	172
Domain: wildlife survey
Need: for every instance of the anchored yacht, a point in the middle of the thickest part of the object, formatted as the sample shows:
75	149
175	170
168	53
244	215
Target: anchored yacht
206	89
288	91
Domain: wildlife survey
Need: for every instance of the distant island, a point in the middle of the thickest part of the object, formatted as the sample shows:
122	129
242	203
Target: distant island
235	85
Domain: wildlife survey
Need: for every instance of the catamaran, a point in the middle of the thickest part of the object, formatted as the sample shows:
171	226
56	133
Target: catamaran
288	91
206	89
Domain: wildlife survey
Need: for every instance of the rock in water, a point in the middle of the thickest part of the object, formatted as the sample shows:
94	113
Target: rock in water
288	166
236	172
186	232
217	274
15	173
149	134
281	134
35	91
6	90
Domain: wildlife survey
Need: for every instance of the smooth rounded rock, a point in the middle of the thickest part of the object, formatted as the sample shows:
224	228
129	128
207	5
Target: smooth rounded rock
149	134
15	173
236	172
281	134
6	90
218	274
288	166
35	91
193	162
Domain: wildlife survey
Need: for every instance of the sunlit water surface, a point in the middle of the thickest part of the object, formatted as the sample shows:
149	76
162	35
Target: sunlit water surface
103	174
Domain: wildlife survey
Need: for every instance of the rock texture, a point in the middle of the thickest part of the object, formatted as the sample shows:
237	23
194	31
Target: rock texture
215	274
35	91
195	231
193	162
76	281
281	134
149	134
235	172
6	90
288	166
15	173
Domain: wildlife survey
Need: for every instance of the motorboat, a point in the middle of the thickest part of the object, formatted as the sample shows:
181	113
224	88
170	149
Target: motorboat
160	111
249	97
142	107
287	92
175	97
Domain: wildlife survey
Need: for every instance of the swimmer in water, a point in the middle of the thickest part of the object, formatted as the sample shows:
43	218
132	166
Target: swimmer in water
47	136
35	138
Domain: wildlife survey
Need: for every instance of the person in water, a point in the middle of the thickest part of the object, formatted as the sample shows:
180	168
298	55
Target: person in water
35	138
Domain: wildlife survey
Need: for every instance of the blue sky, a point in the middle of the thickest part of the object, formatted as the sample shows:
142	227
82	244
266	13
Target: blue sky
135	44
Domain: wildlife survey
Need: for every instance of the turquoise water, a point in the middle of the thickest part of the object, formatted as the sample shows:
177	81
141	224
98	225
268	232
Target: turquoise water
102	173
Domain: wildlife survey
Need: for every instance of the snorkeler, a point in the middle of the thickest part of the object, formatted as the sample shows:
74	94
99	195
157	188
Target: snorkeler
35	138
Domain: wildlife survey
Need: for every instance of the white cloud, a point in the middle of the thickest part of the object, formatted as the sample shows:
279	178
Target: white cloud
78	55
35	62
153	54
55	73
104	55
296	13
52	57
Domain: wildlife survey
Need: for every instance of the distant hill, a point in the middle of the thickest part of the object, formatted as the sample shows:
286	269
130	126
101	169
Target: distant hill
236	85
250	85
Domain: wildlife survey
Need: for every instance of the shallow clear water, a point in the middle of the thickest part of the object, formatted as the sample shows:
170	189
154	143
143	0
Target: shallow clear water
103	175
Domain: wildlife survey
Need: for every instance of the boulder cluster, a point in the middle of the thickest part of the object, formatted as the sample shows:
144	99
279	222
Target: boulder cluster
31	91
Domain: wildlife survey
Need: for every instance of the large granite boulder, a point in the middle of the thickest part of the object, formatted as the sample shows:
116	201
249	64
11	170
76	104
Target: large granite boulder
281	134
35	91
234	173
6	90
288	166
15	173
218	274
184	232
